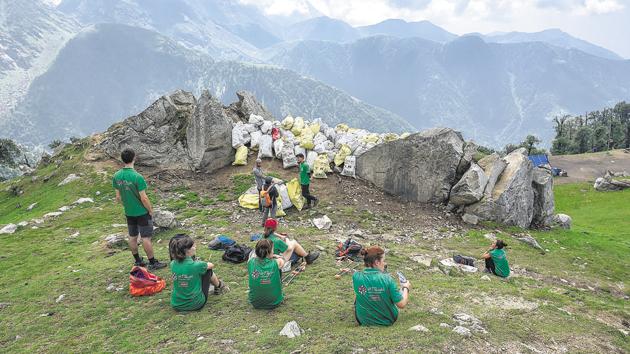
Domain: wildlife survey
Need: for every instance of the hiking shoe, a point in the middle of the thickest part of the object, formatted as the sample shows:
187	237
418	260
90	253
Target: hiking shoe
157	265
222	289
311	257
140	263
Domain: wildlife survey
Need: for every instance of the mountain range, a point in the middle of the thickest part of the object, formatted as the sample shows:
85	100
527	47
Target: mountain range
118	55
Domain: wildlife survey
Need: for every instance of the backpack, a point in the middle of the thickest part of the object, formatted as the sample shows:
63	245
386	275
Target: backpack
143	283
349	249
236	254
221	242
265	198
469	261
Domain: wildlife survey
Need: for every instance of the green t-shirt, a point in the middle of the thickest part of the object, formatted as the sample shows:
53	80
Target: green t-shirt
377	294
130	183
187	294
305	177
279	246
501	266
265	285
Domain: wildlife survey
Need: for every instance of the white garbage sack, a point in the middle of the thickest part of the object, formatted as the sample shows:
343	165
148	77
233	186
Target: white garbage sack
266	143
255	142
240	136
299	150
319	139
265	128
284	194
288	156
330	133
349	166
250	128
321	148
256	120
311	157
277	147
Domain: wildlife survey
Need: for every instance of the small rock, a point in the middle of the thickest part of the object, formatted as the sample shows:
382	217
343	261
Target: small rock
200	338
83	200
117	239
31	207
111	287
424	260
462	331
23	224
8	229
53	214
227	341
470	219
445	325
291	330
485	277
38	221
436	311
562	220
98	192
71	178
64	208
323	223
419	328
164	219
60	298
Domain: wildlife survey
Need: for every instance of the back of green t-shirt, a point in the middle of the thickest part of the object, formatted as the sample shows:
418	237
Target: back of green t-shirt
130	183
501	266
265	285
305	177
187	294
376	297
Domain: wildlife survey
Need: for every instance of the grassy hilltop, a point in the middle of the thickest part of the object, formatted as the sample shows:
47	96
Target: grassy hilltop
574	298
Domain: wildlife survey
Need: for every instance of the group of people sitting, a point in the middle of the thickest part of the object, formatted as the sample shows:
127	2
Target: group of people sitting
377	294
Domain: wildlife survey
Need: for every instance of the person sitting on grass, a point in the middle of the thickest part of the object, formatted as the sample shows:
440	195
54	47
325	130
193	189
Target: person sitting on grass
377	296
265	277
496	261
191	278
289	250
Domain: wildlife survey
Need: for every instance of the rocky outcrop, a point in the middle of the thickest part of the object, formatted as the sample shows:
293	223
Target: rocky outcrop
176	132
246	106
422	167
608	183
492	165
512	199
544	205
470	187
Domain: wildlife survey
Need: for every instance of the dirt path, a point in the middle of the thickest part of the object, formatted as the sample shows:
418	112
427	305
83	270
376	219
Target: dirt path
588	167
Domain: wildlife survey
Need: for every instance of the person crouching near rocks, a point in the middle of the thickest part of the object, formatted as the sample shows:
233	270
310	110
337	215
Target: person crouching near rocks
191	278
496	260
265	277
289	250
377	296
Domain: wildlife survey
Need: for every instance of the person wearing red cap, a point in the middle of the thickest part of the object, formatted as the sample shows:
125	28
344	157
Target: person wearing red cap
290	250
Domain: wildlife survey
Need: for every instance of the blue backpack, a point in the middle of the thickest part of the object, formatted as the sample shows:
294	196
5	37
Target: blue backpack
221	242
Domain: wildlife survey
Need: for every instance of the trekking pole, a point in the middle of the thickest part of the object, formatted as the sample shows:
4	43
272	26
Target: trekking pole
289	277
343	271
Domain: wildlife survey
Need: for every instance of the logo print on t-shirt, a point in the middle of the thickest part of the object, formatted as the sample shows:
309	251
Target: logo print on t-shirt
255	274
362	290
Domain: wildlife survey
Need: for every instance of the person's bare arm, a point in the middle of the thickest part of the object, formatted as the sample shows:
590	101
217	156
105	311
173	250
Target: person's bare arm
210	265
146	202
117	196
279	260
405	293
486	255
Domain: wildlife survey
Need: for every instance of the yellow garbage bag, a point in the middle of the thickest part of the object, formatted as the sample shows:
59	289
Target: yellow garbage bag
248	201
279	210
287	123
344	152
321	167
315	128
298	125
390	137
240	158
306	139
295	194
404	135
341	128
370	138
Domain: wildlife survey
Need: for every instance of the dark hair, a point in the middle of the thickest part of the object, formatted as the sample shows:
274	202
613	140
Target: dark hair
300	155
500	244
178	245
371	255
127	155
268	180
264	248
268	231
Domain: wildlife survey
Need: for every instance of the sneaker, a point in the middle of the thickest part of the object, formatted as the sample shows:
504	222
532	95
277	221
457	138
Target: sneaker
157	265
311	257
222	289
140	263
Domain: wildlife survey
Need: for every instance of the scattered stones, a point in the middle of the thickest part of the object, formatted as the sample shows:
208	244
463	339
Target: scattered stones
83	200
419	328
470	219
607	183
60	298
164	219
71	178
9	229
473	322
323	223
424	260
31	207
64	208
291	330
462	331
52	215
38	221
562	220
23	224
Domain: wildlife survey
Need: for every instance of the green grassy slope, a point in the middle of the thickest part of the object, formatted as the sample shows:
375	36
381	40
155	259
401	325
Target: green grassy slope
534	310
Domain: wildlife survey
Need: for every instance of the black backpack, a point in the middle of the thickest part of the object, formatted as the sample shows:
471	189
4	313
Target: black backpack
465	260
236	254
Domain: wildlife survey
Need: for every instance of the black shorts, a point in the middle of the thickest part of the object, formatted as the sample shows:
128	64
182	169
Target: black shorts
142	225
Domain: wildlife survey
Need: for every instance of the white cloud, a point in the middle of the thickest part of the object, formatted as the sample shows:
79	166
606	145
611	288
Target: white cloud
599	7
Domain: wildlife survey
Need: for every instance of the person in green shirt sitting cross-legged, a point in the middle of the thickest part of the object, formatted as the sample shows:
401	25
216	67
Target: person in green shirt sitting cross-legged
377	296
496	261
191	278
290	250
265	283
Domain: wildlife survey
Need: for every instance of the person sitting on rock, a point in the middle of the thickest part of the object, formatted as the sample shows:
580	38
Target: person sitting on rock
191	278
265	277
268	199
496	261
289	250
377	296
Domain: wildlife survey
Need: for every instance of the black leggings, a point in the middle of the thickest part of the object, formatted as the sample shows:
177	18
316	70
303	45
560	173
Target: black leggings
307	194
490	265
205	284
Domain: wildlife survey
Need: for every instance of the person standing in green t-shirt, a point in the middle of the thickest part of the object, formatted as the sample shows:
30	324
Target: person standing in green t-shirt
130	189
305	182
496	260
265	283
377	296
191	278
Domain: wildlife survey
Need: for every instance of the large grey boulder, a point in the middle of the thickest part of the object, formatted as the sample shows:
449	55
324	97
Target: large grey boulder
607	183
492	165
544	205
422	167
470	149
245	107
512	199
470	187
207	134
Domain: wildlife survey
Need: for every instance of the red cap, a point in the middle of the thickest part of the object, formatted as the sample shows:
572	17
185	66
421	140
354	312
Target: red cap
271	223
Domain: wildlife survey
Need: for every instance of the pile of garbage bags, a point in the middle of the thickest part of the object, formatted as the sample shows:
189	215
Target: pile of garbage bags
326	149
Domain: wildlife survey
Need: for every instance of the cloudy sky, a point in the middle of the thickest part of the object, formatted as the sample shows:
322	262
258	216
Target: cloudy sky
603	22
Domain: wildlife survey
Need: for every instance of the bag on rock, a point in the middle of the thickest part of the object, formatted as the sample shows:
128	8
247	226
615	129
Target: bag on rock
236	254
144	283
240	158
266	143
342	154
349	166
255	142
240	136
287	123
